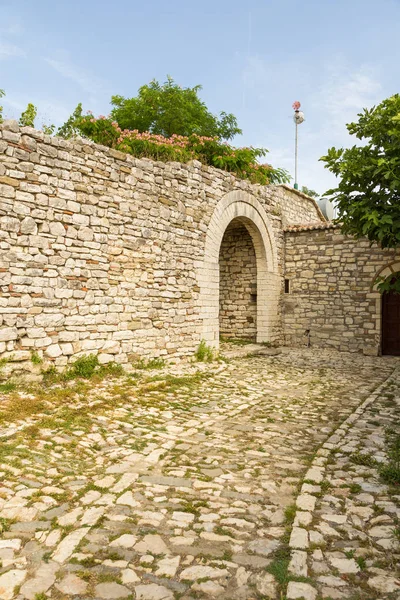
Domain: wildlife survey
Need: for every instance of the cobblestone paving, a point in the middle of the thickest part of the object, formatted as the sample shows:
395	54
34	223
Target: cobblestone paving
178	484
353	534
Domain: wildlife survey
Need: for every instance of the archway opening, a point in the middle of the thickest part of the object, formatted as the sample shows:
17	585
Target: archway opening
387	313
391	321
242	208
237	284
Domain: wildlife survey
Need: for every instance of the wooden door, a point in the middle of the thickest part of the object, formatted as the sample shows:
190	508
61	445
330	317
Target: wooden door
391	323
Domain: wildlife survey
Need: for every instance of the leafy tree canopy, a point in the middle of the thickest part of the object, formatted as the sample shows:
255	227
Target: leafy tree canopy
69	128
168	109
368	193
27	118
309	192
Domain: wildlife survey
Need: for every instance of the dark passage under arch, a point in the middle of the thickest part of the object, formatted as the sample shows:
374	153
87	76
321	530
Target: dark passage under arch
391	324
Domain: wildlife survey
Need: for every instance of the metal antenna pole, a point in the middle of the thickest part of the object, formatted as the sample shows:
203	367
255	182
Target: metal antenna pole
298	118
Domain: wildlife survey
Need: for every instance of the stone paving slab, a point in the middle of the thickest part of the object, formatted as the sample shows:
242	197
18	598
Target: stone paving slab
173	484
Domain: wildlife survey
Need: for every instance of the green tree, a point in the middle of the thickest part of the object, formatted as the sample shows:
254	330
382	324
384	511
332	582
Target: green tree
168	109
69	128
368	193
311	193
27	118
48	129
2	94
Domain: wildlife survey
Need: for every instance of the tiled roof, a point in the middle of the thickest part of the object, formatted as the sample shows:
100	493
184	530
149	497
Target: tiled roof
311	226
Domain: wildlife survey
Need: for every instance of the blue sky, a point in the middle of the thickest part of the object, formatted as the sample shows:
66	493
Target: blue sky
252	58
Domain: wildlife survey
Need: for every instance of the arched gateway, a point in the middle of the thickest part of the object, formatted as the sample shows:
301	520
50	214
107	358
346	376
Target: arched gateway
388	312
248	211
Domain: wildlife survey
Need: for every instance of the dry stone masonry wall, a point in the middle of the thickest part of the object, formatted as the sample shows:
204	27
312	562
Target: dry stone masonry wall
101	252
332	300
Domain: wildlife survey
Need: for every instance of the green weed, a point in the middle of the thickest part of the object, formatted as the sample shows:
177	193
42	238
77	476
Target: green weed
35	358
5	388
363	459
390	472
204	353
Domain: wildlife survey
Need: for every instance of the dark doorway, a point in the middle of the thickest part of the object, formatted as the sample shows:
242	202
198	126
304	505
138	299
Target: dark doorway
391	323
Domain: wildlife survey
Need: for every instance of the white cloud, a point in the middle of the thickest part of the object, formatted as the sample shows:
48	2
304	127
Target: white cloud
14	28
84	80
341	94
344	92
10	50
331	93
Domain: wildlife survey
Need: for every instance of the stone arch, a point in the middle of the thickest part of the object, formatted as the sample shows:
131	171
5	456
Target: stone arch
244	207
390	269
375	295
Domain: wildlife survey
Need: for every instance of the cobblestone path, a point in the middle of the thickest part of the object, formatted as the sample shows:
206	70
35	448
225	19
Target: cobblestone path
181	483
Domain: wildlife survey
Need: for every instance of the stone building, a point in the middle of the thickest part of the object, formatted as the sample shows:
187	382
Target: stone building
104	253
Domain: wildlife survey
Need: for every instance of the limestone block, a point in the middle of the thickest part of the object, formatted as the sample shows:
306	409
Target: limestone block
111	347
9	223
67	349
85	234
8	333
57	229
28	225
10	125
53	351
106	358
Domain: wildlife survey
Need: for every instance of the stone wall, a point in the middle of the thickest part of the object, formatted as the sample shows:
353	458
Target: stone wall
297	208
238	284
331	300
101	252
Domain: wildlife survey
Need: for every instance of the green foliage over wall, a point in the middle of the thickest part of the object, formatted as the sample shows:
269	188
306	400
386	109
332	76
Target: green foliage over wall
27	118
2	93
167	109
208	150
368	192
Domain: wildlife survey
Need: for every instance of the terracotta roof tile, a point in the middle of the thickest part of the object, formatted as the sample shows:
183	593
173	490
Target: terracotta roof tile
311	226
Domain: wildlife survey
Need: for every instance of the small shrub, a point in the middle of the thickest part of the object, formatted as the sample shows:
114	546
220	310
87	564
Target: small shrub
390	472
279	565
3	362
152	363
363	459
83	367
7	387
362	563
355	488
113	369
290	513
5	524
396	533
35	358
243	162
50	375
204	353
